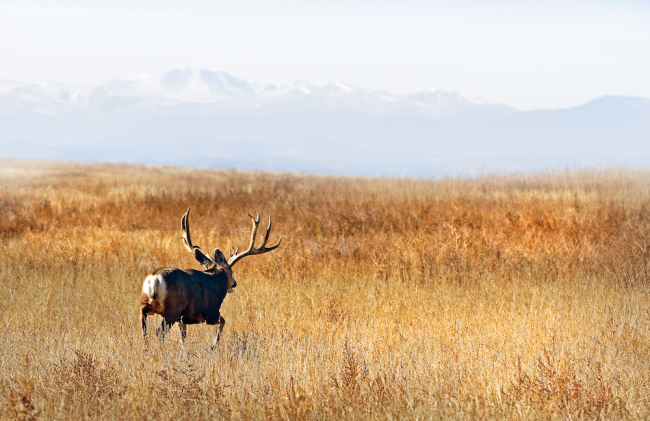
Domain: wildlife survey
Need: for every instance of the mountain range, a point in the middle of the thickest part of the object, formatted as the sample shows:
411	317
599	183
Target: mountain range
212	119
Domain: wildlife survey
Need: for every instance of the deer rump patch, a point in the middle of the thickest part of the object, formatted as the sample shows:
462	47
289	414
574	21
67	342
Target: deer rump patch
155	288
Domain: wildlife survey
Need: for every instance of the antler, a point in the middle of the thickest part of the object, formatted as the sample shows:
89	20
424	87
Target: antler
204	260
234	257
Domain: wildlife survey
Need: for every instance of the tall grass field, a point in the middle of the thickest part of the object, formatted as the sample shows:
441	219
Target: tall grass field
496	297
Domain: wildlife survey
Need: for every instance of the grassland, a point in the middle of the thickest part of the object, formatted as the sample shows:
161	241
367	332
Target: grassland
495	297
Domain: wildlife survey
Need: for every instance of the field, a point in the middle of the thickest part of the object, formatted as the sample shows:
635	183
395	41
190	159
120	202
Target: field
514	296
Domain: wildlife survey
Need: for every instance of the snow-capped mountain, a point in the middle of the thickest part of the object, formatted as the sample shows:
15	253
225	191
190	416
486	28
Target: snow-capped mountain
220	91
199	117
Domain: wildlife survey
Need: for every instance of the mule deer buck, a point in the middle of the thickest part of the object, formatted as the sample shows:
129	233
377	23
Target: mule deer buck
189	296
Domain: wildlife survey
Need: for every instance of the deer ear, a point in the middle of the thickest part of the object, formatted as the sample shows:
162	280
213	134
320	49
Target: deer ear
204	260
219	258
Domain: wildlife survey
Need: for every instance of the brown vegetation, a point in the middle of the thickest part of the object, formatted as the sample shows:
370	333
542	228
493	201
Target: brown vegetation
495	297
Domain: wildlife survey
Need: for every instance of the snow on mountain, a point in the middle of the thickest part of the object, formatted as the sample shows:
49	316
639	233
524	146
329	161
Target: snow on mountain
39	97
221	91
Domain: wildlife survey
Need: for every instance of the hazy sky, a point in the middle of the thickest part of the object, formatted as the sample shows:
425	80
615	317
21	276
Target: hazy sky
528	54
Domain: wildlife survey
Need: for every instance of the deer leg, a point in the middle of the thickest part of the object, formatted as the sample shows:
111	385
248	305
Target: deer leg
221	322
162	330
183	328
143	319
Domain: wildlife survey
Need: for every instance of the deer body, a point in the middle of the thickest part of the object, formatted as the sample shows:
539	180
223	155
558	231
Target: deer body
184	295
191	296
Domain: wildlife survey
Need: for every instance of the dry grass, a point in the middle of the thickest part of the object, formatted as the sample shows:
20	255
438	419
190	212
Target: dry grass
497	297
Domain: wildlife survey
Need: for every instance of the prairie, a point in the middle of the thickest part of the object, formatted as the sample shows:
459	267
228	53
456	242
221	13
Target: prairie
501	296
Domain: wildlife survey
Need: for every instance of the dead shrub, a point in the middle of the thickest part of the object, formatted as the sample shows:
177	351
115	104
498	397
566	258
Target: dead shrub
18	397
85	383
355	380
184	383
556	385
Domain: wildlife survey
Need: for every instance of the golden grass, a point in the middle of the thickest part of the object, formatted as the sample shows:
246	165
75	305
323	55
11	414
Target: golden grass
497	297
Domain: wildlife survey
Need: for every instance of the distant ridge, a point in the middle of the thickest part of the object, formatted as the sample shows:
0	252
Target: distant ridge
212	119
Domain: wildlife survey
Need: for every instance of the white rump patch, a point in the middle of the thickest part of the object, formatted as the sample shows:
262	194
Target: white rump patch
155	287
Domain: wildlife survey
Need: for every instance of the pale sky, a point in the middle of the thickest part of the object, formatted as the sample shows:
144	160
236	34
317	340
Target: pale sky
527	54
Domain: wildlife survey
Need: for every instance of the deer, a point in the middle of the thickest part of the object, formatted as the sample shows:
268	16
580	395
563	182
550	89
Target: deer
188	296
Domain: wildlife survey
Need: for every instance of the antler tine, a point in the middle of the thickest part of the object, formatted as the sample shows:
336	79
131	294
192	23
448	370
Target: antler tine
233	251
274	247
205	260
268	232
256	224
187	240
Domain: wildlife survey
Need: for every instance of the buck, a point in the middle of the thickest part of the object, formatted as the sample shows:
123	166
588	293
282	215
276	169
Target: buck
189	296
